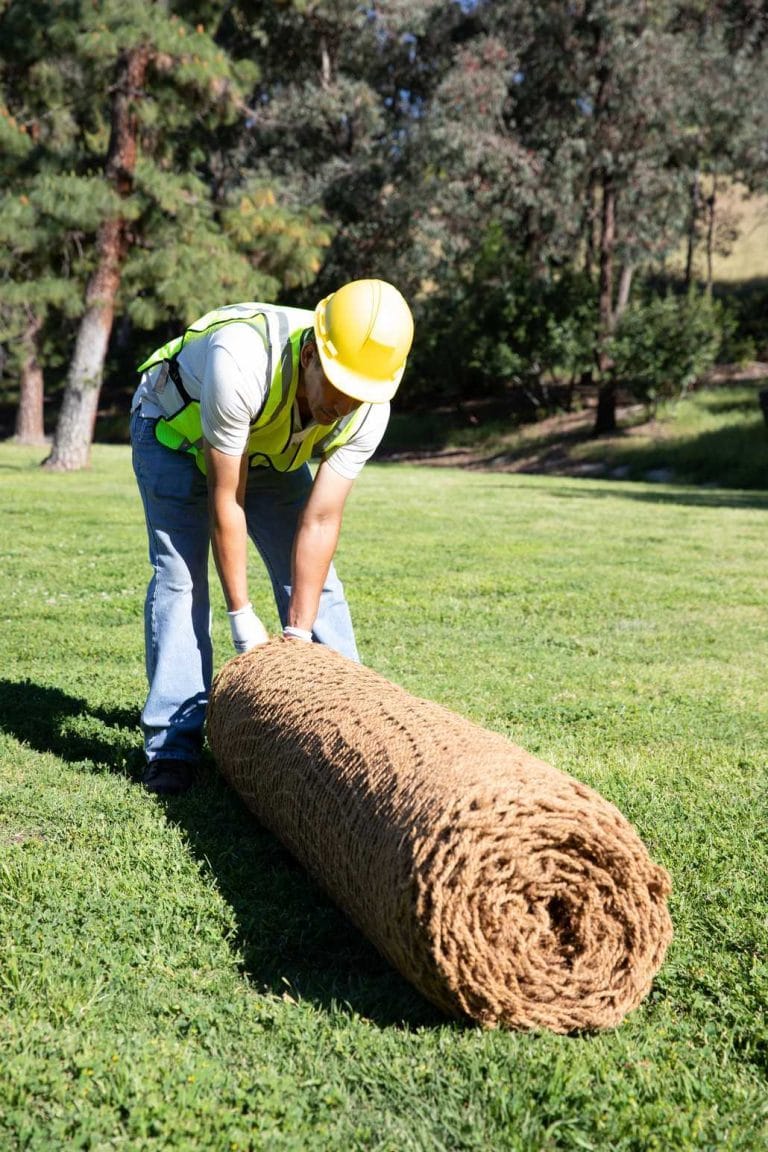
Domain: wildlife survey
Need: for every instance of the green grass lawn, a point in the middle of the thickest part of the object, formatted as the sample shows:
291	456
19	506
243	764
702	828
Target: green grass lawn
170	979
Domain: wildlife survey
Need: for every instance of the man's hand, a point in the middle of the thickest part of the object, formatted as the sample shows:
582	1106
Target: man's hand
247	629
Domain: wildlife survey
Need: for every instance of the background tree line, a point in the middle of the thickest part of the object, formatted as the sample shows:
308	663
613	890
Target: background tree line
525	172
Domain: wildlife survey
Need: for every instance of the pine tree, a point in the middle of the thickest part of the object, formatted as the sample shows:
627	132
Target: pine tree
39	255
21	313
125	102
134	57
77	419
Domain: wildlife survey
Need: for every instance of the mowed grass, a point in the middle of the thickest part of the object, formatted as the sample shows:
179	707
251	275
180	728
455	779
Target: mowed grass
169	977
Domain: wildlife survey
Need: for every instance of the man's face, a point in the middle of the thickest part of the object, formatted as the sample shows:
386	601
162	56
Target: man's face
326	404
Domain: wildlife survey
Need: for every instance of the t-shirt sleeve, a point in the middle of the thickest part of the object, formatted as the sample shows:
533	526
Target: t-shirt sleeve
233	387
348	459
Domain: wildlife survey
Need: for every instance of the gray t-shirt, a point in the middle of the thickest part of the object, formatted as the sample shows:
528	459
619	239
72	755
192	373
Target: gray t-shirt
229	369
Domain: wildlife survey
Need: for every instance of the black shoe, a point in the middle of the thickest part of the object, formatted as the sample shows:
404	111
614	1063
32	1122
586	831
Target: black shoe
168	777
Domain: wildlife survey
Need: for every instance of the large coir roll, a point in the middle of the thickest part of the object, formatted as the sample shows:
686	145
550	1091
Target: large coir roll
503	889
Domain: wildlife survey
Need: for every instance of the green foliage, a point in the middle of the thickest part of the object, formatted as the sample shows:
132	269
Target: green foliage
663	345
67	202
286	240
568	348
196	253
187	255
190	247
747	337
458	149
536	108
184	275
506	324
42	262
15	142
170	979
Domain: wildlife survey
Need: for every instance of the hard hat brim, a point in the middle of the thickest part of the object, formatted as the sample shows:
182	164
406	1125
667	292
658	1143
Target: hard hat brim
354	384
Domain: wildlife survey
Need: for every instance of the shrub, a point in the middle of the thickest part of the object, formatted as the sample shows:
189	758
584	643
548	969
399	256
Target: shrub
748	339
663	344
499	326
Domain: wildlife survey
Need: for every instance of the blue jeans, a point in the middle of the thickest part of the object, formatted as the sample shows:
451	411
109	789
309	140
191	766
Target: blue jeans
177	614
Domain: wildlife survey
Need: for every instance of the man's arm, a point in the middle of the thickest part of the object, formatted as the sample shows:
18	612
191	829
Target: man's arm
313	548
227	476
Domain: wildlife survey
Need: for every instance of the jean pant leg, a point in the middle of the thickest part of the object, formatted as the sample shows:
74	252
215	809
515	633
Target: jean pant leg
273	503
177	608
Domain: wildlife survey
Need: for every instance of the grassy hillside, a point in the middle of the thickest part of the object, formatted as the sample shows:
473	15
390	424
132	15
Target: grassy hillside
744	257
171	980
716	436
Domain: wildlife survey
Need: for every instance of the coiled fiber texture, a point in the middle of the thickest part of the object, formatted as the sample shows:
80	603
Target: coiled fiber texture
503	889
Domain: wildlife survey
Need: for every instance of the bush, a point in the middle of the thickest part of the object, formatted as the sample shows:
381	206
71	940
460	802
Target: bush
499	326
662	345
748	339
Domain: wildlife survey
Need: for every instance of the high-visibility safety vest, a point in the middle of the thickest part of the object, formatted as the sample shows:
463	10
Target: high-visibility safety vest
270	442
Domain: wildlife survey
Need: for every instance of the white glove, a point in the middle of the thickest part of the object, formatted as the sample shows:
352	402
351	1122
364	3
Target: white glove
247	629
292	633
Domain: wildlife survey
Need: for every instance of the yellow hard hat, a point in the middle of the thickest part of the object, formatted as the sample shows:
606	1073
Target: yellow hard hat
364	333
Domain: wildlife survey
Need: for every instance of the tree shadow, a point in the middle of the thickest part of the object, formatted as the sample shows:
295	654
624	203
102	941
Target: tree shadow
292	940
729	458
668	494
50	720
733	457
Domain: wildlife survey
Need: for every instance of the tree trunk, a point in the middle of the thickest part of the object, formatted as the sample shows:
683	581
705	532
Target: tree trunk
692	226
74	428
711	206
29	415
590	227
607	244
605	420
326	73
625	287
590	250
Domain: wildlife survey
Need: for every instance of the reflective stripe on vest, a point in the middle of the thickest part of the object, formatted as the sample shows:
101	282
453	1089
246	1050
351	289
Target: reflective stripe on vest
270	442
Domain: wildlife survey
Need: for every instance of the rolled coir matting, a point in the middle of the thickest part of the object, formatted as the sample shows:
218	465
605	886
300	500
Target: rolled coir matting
503	889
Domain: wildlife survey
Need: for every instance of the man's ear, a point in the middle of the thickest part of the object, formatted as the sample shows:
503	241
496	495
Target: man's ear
307	353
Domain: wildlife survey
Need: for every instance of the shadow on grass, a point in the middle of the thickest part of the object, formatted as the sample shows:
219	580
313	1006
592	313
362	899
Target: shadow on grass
292	939
733	456
703	498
